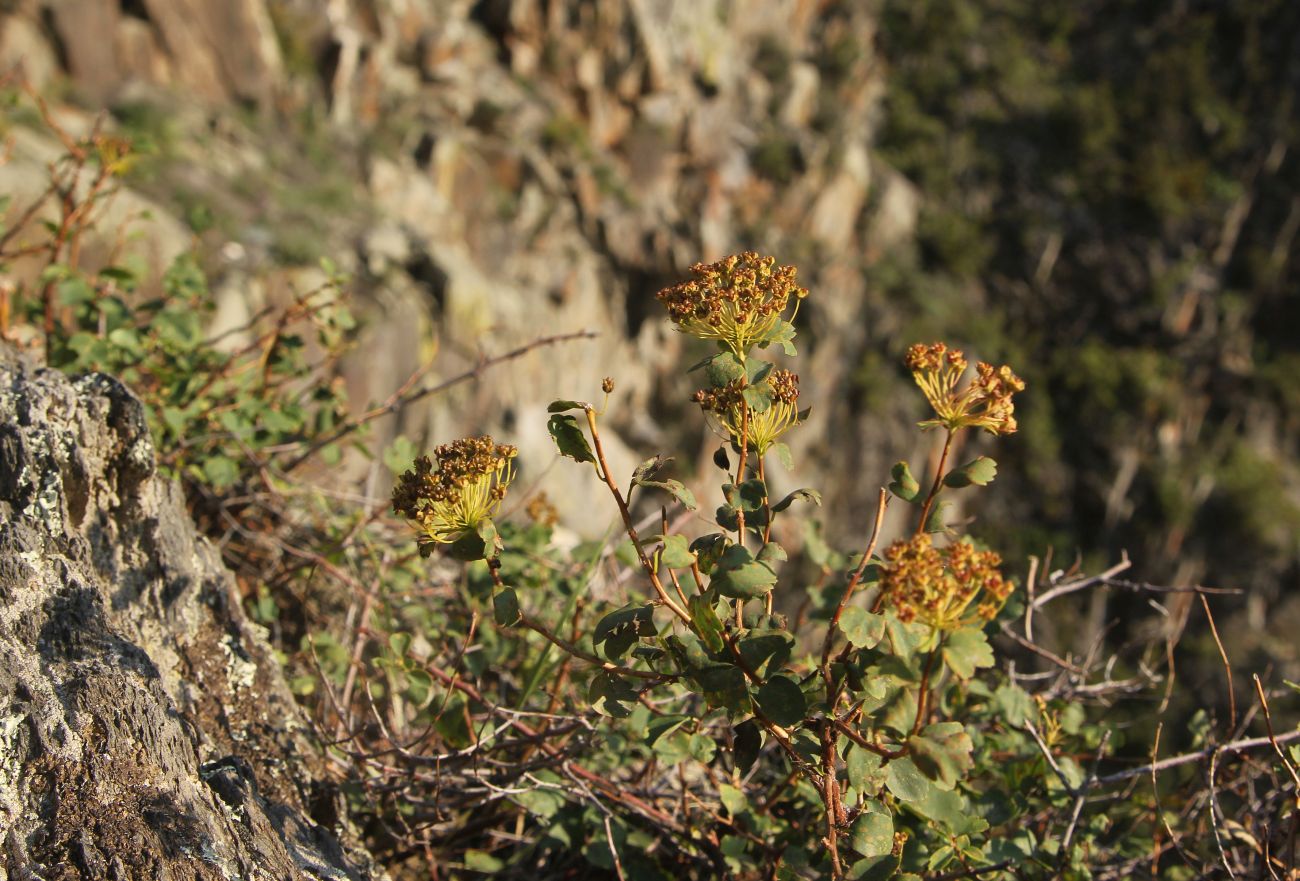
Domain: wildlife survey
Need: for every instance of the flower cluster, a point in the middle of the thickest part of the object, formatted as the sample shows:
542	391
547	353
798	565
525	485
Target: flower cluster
764	427
937	586
466	488
737	301
985	403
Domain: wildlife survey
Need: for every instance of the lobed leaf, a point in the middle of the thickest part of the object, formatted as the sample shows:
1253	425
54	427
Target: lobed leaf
861	628
978	472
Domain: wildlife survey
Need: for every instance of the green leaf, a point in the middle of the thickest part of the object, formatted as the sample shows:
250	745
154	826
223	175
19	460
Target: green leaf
733	799
967	650
906	781
782	701
740	576
723	685
772	553
398	643
783	335
505	608
807	495
708	549
564	406
400	455
662	726
705	621
221	471
783	455
676	553
468	548
942	752
861	628
747	741
723	368
864	769
541	803
938	517
979	472
419	686
949	809
487	530
569	438
721	459
675	488
649	468
747	497
610	695
758	397
1014	704
702	748
904	485
481	861
765	653
620	629
128	339
757	370
904	638
873	833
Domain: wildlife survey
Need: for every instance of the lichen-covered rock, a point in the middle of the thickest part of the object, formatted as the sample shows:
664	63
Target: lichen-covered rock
145	730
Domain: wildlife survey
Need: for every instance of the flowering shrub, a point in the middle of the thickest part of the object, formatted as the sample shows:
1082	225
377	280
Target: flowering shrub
860	722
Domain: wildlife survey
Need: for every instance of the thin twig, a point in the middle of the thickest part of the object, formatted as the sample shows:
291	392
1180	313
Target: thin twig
1236	746
1227	667
398	401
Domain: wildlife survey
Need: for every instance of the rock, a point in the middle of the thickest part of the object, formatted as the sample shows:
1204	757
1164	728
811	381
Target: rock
835	213
145	729
23	46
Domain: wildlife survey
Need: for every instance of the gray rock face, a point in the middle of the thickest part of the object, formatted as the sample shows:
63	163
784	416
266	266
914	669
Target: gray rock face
145	730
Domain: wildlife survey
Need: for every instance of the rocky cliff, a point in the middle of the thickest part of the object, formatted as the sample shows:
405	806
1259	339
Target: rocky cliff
495	170
145	729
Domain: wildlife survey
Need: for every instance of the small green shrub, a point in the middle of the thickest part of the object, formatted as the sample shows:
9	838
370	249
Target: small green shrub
866	735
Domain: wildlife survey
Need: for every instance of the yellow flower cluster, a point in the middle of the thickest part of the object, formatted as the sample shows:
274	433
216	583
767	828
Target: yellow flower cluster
737	301
985	403
466	488
937	586
764	427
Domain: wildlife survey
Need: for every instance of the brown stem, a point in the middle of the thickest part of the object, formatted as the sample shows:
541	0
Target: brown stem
922	698
938	482
830	792
603	471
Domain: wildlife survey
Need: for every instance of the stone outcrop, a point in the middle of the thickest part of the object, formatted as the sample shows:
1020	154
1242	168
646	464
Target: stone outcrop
145	730
518	168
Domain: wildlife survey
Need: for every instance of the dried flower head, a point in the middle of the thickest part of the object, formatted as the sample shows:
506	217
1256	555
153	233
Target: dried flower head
984	403
737	301
466	488
938	586
540	510
764	426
